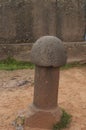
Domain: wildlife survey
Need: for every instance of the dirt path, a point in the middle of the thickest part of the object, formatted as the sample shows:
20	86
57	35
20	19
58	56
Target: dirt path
16	92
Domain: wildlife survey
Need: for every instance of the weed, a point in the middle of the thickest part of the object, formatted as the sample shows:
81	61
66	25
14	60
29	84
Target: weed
12	64
64	122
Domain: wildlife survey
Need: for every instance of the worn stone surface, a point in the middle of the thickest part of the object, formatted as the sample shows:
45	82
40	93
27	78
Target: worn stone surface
76	51
43	119
48	51
35	129
72	21
17	51
45	112
46	87
27	20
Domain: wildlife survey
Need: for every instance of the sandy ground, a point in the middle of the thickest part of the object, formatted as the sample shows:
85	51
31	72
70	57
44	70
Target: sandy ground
16	93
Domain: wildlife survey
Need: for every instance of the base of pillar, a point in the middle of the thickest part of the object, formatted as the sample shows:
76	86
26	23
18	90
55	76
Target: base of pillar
43	119
29	128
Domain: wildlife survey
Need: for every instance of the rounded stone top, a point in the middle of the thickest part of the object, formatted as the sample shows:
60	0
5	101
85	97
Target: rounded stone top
48	51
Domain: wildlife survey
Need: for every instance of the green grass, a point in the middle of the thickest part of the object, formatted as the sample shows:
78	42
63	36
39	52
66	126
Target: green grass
64	122
12	64
71	65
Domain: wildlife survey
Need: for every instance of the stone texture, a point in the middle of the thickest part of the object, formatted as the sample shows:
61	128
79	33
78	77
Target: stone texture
46	87
26	128
71	18
44	18
45	112
48	51
43	119
27	20
76	51
17	51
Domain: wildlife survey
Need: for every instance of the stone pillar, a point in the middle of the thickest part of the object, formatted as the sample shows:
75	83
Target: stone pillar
46	87
48	54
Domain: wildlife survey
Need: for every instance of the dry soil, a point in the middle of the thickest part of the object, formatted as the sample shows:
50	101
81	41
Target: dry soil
16	93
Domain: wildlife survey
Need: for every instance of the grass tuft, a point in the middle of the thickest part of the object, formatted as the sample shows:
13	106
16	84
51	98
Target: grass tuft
64	122
12	64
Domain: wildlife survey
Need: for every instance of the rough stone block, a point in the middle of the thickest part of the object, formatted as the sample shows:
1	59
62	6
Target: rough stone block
43	119
48	51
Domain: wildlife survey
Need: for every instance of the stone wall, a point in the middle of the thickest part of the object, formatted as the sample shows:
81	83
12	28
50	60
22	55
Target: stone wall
76	51
71	14
22	22
27	20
